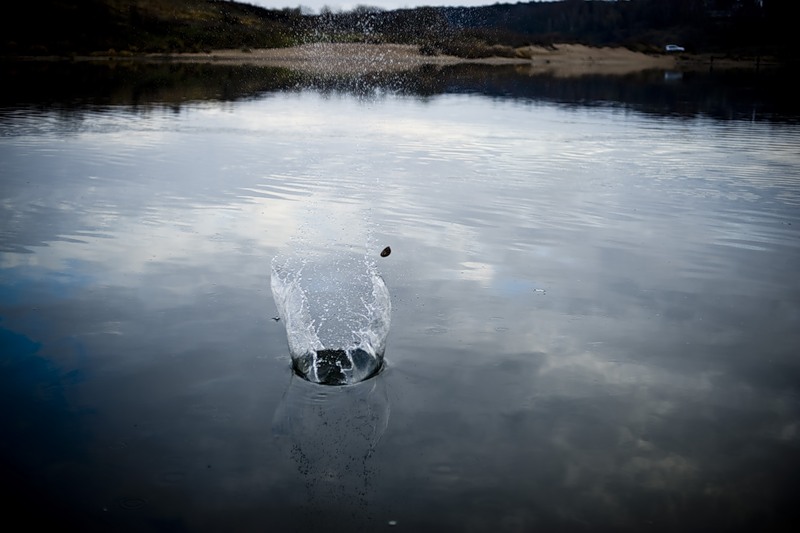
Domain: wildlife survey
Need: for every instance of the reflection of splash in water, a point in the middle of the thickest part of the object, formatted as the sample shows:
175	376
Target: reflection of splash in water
330	434
337	313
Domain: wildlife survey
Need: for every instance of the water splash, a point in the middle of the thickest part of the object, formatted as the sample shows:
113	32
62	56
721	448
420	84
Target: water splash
337	313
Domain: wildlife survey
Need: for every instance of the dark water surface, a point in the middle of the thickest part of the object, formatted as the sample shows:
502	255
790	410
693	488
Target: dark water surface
596	308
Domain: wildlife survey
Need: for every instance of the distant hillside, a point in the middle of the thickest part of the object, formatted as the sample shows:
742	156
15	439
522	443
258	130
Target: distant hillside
60	27
65	27
752	27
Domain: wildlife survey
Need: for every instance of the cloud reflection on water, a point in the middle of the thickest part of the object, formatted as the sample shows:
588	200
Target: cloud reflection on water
651	380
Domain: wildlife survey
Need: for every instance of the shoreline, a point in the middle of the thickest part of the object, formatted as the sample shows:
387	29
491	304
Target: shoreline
340	58
332	59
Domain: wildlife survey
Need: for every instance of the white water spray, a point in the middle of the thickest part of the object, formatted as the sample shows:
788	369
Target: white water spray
337	313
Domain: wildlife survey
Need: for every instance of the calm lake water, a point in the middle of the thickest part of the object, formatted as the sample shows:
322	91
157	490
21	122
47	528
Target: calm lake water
594	285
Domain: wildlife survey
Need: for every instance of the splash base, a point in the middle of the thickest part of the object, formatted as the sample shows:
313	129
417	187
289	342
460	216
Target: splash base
336	367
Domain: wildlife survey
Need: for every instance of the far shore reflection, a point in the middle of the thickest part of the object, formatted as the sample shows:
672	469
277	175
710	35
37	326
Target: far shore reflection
726	94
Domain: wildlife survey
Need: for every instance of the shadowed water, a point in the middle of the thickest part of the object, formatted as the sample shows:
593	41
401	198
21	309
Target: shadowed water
593	287
330	435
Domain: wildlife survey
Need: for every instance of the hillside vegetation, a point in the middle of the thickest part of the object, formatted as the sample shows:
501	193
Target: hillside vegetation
64	27
68	27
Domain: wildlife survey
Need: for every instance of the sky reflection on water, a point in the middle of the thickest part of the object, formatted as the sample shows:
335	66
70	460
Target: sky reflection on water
595	314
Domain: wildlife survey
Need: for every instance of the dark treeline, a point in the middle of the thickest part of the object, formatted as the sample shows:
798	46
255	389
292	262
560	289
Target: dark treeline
750	27
64	27
736	27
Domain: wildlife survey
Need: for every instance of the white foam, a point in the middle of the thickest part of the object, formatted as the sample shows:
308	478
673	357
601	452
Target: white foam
338	303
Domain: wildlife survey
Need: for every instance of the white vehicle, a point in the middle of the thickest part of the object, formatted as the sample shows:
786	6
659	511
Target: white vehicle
674	48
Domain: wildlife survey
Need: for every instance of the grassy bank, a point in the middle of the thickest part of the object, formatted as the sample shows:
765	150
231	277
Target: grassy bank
127	27
133	27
